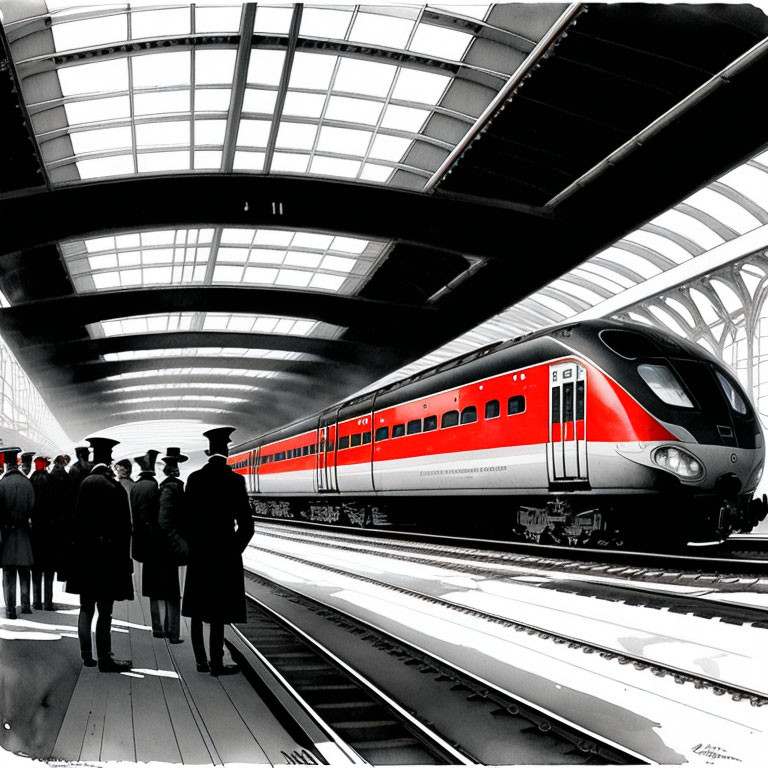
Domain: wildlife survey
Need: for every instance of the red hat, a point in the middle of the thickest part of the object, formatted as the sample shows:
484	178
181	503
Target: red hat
41	462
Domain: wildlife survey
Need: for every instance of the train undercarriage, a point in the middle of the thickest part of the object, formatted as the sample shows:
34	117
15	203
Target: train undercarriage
647	521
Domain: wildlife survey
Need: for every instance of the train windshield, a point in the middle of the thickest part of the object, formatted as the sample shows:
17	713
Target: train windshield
734	398
629	344
664	385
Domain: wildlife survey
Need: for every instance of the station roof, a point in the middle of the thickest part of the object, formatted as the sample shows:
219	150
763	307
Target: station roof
241	214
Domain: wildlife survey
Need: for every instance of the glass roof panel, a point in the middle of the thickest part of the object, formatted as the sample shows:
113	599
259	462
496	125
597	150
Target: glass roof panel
439	41
681	309
176	386
158	134
265	67
570	288
631	261
218	19
163	161
98	110
353	110
730	213
216	371
690	228
214	99
389	148
660	244
167	409
750	181
89	32
301	104
325	22
344	140
667	320
160	23
731	301
94	77
163	102
249	161
374	172
609	283
102	167
296	135
377	29
180	398
153	70
420	87
312	70
240	352
100	140
367	78
285	162
404	118
473	11
215	67
275	20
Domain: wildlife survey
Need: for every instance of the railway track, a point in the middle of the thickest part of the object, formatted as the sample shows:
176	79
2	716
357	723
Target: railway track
616	589
477	723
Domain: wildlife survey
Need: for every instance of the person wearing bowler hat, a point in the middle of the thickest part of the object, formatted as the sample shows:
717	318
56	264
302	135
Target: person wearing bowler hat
101	570
150	548
174	546
44	535
17	499
81	468
218	525
26	462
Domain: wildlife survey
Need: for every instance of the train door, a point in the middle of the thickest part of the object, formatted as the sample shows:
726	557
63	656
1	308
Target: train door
325	472
255	462
567	422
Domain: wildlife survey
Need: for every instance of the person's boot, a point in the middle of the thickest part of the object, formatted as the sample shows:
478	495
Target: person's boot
49	606
37	606
203	666
88	660
114	665
26	609
218	670
10	613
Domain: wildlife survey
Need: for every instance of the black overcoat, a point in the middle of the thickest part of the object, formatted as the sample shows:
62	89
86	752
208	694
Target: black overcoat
78	472
63	501
219	526
44	535
101	568
144	500
16	502
172	518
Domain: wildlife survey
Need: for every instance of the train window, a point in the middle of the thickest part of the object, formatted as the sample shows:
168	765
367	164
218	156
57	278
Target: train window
280	456
568	401
366	438
492	409
343	442
555	405
469	415
516	404
305	450
382	433
414	427
450	419
329	446
430	423
664	384
398	430
312	448
579	400
629	344
734	398
296	453
356	440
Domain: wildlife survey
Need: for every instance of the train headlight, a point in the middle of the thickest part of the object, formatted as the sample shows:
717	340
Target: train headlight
679	462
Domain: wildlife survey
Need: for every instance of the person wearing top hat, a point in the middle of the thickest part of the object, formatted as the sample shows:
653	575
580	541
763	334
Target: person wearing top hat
44	535
218	525
101	570
17	499
81	468
63	502
26	462
159	575
173	546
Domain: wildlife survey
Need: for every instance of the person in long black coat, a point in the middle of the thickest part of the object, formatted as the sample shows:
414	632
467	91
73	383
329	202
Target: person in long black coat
219	526
101	570
16	502
44	536
159	574
63	502
174	546
81	468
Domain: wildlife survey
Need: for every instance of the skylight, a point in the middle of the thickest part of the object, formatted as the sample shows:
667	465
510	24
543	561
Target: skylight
218	385
336	75
192	371
241	352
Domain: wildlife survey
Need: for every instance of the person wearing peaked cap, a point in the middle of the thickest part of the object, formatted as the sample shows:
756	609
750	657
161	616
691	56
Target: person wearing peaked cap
149	545
218	525
26	462
81	468
17	499
44	535
101	570
173	545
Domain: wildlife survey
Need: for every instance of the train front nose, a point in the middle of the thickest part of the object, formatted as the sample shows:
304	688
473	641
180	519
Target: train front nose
728	484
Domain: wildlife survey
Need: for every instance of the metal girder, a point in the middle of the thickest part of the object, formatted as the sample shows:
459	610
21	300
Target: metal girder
364	210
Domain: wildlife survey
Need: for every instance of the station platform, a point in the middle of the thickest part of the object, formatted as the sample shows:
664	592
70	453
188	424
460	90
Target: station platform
163	711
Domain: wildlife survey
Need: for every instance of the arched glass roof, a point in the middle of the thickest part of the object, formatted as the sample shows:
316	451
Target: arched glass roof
717	225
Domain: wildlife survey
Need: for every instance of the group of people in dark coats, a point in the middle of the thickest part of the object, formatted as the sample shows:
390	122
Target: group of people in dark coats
87	526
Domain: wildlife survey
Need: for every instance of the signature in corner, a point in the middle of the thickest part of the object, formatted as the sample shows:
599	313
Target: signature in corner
712	751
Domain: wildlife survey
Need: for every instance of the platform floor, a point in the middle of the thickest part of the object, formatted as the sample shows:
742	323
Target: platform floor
163	710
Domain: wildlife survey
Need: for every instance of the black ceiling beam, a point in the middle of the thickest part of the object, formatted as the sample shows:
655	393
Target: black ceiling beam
72	352
34	317
362	210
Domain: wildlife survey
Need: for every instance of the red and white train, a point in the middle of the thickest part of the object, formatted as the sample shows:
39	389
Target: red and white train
599	430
